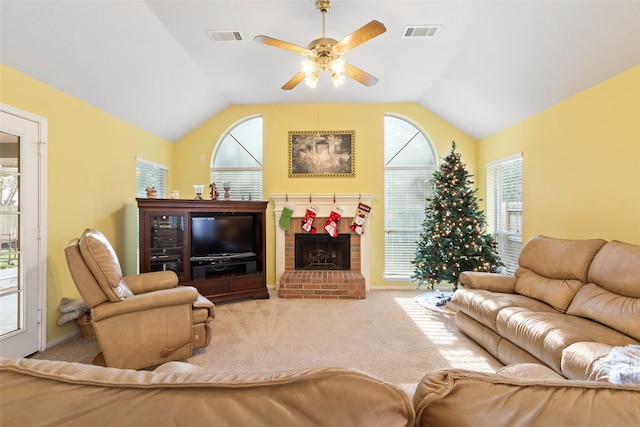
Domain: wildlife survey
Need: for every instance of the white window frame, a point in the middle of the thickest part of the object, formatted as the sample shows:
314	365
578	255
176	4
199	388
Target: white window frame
246	182
504	217
160	181
402	250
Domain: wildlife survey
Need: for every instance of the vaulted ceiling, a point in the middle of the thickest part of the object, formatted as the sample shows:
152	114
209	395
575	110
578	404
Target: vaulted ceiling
153	63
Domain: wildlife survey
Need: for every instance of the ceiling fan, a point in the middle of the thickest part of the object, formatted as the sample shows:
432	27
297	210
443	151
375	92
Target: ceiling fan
324	54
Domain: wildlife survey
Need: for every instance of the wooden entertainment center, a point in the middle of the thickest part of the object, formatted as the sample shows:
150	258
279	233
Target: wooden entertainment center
166	244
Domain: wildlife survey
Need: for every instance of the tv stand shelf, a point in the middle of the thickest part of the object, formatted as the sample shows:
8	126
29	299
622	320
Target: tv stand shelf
165	244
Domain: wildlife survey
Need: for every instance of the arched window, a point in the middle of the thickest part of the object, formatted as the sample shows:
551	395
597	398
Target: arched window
409	163
237	160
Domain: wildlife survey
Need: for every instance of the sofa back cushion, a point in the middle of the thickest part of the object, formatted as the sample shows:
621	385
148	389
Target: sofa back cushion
613	296
616	268
85	281
552	270
103	263
616	311
80	394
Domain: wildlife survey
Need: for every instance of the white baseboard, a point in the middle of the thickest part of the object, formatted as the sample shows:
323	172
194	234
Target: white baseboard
63	337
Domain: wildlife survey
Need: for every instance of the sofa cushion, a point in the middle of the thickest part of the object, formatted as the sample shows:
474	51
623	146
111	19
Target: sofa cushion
580	361
619	312
616	268
552	270
103	263
546	335
484	306
529	370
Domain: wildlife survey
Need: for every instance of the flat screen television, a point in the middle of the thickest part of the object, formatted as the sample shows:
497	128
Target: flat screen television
221	235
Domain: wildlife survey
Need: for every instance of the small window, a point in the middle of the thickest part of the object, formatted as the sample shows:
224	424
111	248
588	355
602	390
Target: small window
409	163
149	174
237	160
504	208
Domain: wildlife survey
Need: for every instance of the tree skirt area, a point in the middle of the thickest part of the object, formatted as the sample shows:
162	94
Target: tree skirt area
437	301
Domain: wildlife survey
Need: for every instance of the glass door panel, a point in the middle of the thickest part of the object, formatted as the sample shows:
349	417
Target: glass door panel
11	317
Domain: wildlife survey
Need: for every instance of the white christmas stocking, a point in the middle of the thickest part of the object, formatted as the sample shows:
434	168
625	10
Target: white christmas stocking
360	217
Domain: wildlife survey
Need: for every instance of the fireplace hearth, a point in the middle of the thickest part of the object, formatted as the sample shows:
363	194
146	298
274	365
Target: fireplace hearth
322	252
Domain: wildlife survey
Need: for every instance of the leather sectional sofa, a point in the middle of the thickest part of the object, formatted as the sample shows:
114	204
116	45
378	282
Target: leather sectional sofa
569	303
42	392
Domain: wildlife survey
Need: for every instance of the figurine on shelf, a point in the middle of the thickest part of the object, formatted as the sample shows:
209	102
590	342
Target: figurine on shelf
213	191
151	192
226	186
198	189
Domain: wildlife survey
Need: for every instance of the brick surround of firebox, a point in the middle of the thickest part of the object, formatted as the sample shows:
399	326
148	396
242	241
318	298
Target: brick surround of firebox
321	284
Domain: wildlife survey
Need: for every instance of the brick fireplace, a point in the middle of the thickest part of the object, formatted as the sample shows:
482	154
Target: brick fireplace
351	283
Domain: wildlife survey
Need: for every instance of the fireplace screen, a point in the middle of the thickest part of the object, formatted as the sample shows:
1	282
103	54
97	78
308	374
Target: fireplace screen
322	252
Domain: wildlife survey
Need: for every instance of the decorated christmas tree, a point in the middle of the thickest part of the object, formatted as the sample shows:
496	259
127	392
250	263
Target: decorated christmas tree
454	238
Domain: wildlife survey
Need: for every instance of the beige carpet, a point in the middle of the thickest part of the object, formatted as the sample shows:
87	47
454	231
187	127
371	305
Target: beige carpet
387	335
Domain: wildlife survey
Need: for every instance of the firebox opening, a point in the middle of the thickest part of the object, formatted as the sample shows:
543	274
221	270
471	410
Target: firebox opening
322	252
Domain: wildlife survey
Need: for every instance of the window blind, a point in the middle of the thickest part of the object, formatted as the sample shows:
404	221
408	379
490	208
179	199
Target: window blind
244	183
149	174
237	160
406	191
504	208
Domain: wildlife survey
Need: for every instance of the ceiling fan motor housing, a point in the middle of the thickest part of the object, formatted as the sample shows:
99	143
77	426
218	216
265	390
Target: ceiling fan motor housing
323	5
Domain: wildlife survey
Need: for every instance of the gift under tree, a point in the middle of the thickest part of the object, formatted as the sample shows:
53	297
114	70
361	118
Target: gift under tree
453	238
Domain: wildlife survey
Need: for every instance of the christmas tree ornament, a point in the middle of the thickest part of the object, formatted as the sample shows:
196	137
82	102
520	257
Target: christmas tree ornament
357	225
309	217
332	222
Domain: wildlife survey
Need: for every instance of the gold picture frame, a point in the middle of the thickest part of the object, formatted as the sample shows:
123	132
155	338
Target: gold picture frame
322	154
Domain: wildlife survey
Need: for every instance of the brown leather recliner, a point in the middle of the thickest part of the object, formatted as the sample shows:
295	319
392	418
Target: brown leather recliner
142	320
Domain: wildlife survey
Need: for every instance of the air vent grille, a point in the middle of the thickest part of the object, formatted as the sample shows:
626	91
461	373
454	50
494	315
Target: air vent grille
224	36
421	31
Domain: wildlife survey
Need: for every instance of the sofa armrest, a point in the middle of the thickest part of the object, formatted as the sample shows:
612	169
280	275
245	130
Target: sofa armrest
148	301
488	281
153	281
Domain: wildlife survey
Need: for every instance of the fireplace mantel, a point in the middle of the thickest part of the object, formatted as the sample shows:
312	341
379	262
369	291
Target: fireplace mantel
323	201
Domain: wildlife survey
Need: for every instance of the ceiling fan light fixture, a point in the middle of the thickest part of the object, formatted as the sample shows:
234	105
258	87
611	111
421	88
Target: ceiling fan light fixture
338	79
337	66
309	67
312	80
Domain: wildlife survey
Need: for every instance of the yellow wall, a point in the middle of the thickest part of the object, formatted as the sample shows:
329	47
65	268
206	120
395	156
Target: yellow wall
367	122
581	163
91	180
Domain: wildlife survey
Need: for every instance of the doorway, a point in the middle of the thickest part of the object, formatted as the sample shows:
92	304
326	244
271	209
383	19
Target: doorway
22	232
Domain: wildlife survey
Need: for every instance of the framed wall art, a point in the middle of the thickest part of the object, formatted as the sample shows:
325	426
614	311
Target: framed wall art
322	153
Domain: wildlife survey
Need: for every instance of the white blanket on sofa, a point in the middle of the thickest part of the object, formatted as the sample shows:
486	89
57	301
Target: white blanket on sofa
622	365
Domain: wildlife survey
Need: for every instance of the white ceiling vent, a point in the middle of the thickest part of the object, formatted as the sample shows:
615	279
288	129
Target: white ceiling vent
421	31
224	36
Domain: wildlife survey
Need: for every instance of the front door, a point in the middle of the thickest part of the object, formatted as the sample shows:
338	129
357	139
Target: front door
22	260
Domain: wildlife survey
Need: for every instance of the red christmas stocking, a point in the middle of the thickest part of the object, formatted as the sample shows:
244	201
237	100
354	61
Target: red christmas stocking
332	222
307	221
359	218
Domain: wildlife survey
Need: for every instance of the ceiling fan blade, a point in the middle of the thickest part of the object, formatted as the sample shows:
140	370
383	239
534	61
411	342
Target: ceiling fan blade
359	75
282	45
361	35
295	80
